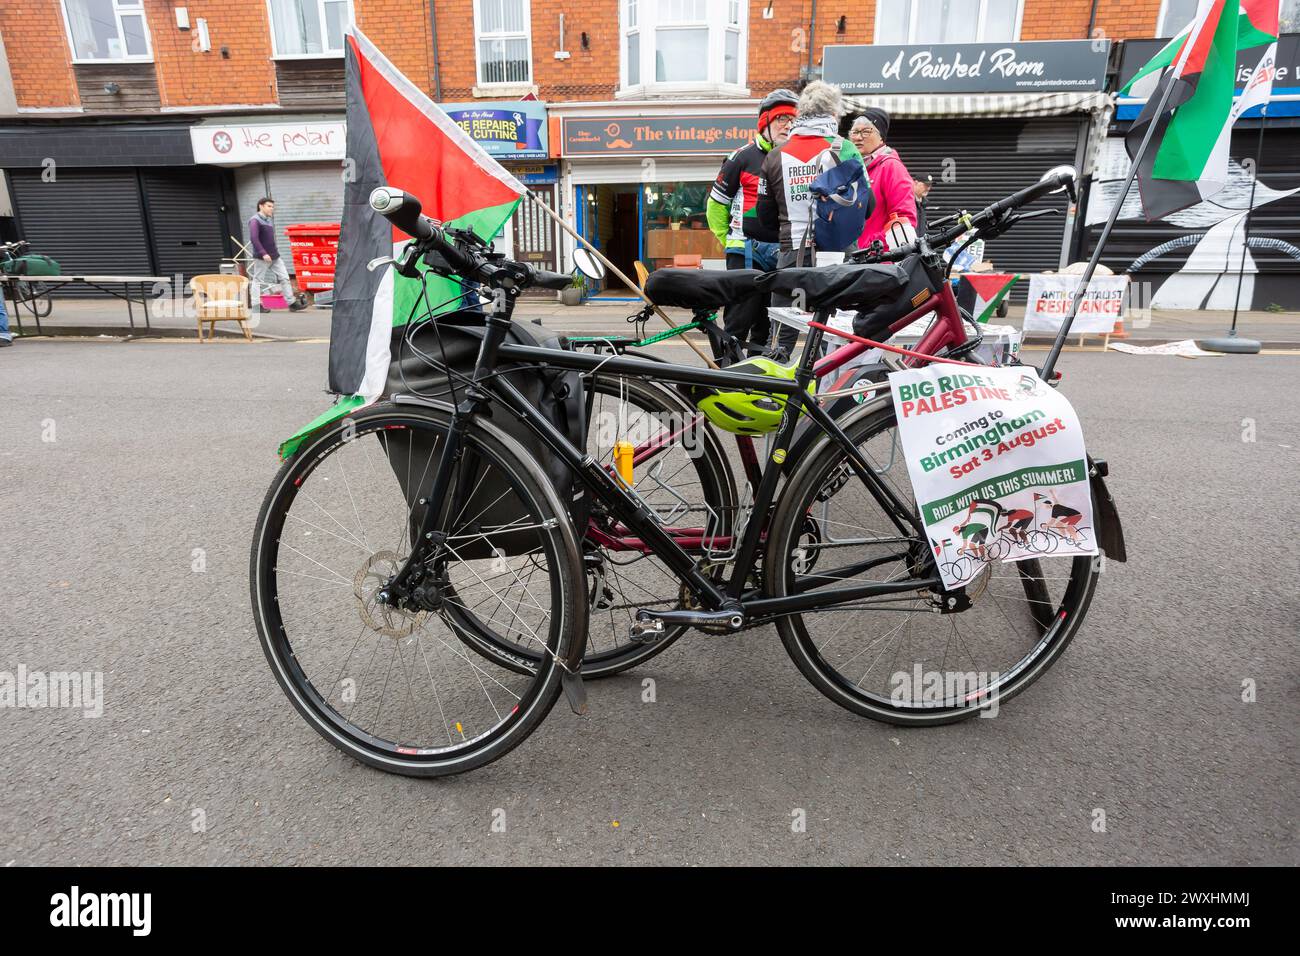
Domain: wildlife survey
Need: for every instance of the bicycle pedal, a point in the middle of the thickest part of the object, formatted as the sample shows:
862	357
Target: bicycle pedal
646	632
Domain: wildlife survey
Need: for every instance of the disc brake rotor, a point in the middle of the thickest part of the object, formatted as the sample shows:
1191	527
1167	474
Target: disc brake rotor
383	618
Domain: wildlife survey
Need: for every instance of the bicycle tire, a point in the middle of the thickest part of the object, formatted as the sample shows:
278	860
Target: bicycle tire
32	294
1061	625
566	618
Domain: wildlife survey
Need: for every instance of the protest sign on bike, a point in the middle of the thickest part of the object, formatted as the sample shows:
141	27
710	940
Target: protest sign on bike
997	463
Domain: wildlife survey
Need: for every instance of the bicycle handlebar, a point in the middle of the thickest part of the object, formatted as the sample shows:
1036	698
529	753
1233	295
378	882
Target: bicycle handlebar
551	280
987	216
404	211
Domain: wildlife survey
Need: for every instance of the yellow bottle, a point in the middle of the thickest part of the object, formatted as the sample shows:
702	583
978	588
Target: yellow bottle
623	454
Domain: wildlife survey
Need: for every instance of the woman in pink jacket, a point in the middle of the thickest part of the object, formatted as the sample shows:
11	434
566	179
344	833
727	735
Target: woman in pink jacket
890	180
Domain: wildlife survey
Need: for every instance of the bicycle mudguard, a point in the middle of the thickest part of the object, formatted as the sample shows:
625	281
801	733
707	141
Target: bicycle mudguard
341	409
1105	516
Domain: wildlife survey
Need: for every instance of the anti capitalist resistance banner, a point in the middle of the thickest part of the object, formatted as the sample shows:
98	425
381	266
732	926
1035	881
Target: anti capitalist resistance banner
998	466
1050	295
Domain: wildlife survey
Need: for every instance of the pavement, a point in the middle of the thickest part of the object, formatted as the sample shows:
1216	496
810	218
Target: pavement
130	478
95	317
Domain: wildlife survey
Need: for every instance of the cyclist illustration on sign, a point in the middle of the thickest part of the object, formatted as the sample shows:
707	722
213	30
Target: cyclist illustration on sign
1061	519
981	518
1016	523
1028	386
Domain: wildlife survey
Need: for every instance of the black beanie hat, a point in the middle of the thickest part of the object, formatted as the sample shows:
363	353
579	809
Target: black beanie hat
879	119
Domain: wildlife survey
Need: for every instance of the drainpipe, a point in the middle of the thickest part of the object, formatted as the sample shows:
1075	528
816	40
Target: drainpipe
437	61
1092	19
812	36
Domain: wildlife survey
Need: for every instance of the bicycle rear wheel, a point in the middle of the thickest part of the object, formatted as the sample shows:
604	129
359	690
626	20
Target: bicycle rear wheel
396	688
917	659
683	476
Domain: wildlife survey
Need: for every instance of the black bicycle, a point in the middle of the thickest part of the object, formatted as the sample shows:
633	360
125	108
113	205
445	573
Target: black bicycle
398	539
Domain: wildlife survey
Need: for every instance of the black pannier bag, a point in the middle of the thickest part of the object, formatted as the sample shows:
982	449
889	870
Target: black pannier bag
557	393
874	323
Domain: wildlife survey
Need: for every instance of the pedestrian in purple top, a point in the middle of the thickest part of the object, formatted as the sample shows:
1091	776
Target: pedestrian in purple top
266	268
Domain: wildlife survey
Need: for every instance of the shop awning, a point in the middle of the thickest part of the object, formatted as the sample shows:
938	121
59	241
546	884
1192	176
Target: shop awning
1098	105
929	106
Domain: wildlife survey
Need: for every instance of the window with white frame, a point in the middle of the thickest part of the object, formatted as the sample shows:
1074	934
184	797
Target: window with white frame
107	30
303	28
1176	15
677	44
947	21
503	41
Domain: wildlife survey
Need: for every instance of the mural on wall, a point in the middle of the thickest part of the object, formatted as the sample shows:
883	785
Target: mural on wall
1207	278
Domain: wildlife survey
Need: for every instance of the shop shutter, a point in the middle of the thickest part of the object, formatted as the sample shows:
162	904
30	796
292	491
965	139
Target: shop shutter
303	192
90	220
985	160
185	220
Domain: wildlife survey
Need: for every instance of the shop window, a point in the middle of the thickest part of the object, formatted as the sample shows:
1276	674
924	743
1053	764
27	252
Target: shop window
107	30
303	28
503	42
948	21
676	224
1177	15
677	45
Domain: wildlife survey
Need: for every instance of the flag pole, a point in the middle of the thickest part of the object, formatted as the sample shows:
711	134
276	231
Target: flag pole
614	269
1230	342
1068	321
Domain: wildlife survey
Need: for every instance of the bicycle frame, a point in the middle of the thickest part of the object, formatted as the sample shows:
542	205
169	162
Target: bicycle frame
626	506
948	331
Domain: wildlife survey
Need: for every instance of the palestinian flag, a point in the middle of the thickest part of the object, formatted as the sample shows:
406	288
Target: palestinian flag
399	137
980	294
1187	160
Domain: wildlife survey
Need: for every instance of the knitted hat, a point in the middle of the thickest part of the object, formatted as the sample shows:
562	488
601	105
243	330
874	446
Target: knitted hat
877	118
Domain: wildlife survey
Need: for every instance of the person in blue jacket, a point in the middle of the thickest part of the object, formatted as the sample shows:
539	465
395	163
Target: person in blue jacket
6	337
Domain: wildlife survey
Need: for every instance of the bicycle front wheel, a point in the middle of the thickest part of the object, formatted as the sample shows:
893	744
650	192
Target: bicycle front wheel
36	297
393	687
922	656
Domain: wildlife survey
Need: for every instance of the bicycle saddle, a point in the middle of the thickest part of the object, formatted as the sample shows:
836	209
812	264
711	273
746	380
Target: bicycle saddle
838	286
701	288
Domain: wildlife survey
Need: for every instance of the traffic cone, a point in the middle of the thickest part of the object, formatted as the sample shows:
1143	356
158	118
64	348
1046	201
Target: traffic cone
1118	332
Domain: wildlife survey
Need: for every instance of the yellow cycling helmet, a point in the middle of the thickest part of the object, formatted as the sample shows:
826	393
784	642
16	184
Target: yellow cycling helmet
742	412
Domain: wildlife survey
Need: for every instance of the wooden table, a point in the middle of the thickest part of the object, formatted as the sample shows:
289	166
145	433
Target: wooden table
666	243
100	283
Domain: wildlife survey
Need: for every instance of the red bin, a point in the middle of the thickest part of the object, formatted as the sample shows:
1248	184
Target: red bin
315	248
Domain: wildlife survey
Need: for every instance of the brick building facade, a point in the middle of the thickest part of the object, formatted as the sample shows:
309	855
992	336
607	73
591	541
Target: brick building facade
87	78
239	69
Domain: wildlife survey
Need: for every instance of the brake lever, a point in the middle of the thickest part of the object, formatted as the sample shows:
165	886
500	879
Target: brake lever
1021	217
405	263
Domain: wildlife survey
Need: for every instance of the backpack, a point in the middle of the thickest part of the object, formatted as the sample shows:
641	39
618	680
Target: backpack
558	394
842	201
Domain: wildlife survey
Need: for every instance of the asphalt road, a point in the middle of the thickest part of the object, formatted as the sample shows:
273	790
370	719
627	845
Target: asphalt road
161	449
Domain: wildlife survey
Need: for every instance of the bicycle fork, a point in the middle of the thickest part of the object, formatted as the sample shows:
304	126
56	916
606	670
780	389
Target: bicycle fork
443	499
